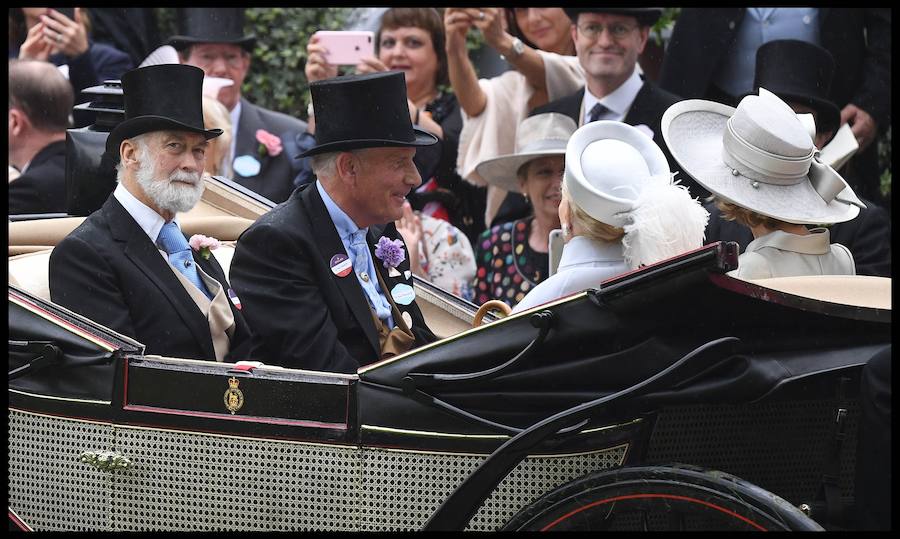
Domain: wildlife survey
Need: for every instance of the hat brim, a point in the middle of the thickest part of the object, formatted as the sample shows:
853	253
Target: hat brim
502	171
145	124
693	131
182	42
645	16
422	138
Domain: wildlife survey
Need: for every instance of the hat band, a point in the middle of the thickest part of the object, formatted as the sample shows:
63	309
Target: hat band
767	167
543	145
760	165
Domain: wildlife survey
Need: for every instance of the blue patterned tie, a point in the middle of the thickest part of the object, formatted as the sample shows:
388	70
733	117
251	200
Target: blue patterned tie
597	111
361	266
172	242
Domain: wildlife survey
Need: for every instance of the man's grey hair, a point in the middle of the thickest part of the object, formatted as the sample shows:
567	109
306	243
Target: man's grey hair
325	164
142	144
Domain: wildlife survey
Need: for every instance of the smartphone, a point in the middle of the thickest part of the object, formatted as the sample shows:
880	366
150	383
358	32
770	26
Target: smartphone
67	11
346	48
556	248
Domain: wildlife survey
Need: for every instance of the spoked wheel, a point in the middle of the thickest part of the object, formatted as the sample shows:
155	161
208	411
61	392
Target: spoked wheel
677	497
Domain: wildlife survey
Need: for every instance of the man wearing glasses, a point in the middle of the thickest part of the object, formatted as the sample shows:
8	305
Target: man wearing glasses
213	39
608	42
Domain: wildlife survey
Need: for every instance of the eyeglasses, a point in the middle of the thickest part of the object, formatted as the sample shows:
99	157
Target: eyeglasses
204	60
616	30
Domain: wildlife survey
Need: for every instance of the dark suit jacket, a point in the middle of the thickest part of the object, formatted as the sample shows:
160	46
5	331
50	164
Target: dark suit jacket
303	315
275	179
108	270
647	108
702	36
42	189
868	237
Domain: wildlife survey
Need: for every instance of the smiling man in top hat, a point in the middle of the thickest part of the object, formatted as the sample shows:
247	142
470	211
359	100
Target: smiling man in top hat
608	42
325	277
128	266
213	39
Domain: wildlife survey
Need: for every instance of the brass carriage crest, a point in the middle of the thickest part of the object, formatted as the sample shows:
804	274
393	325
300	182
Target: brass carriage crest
234	397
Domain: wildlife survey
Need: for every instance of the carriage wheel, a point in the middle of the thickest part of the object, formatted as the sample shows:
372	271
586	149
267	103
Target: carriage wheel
677	497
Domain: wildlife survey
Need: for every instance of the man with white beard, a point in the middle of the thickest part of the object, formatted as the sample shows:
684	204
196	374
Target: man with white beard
128	266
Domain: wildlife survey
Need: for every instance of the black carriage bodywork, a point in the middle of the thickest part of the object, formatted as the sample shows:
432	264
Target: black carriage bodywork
764	375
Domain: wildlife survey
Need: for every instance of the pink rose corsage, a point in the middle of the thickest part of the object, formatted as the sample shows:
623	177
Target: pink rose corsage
390	252
268	143
204	244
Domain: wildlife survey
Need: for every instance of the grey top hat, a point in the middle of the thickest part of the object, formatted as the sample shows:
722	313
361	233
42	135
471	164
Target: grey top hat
758	156
537	136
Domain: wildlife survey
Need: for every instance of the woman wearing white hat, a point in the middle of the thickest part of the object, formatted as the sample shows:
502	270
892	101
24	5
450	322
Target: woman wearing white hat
761	165
513	257
619	211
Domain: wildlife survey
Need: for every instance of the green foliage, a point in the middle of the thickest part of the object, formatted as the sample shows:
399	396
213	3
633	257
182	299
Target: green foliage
276	79
666	21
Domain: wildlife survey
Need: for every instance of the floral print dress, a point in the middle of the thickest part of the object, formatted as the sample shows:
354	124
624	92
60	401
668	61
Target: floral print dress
507	266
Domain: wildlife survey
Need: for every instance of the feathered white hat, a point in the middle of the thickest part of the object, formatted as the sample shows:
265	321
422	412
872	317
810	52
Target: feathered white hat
619	176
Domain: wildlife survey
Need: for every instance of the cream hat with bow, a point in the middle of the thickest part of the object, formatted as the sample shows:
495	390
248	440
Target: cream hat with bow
758	156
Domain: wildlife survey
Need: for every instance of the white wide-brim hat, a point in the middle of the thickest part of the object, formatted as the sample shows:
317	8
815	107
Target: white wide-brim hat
541	135
608	165
758	156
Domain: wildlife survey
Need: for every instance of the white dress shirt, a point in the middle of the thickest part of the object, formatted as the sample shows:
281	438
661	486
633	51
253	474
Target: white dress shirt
618	102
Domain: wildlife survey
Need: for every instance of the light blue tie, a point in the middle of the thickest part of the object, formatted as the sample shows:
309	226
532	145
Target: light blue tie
172	241
366	279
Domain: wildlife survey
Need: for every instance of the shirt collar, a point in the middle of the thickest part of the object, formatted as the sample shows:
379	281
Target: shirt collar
817	242
580	250
149	221
619	101
342	222
235	120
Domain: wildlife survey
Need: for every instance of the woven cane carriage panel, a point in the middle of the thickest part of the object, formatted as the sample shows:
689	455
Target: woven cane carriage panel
780	446
184	481
402	489
49	487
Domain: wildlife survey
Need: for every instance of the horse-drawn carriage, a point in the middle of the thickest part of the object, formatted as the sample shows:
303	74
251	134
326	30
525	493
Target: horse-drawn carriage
674	396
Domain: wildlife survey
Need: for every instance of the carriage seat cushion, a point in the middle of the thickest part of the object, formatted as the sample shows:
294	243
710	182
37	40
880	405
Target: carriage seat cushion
858	290
31	271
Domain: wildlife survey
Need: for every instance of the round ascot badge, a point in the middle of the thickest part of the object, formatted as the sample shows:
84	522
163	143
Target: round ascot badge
403	294
341	265
247	166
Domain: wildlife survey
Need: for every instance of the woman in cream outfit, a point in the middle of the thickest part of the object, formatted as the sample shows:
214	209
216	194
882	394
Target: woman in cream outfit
760	163
493	107
619	210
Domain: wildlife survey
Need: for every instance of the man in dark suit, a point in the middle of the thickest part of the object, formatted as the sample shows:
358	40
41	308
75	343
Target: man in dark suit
40	101
714	48
325	277
801	73
128	266
213	39
608	42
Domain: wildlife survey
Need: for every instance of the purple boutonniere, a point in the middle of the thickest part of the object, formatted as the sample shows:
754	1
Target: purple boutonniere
390	252
204	244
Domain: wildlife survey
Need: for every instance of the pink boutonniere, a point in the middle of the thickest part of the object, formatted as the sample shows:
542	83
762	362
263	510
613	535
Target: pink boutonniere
268	143
390	252
204	244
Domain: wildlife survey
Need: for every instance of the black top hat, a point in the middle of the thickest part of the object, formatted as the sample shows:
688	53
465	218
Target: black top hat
161	97
799	71
363	111
646	16
211	25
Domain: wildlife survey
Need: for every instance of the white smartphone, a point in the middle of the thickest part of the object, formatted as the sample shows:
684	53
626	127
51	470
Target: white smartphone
346	48
556	248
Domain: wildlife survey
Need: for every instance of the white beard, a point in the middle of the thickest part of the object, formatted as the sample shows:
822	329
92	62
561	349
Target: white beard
179	193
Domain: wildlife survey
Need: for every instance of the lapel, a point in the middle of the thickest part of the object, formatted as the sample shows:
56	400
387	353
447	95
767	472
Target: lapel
214	270
572	105
246	143
637	113
144	254
329	244
390	231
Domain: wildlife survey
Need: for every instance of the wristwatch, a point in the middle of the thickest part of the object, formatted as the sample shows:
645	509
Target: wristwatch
517	48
